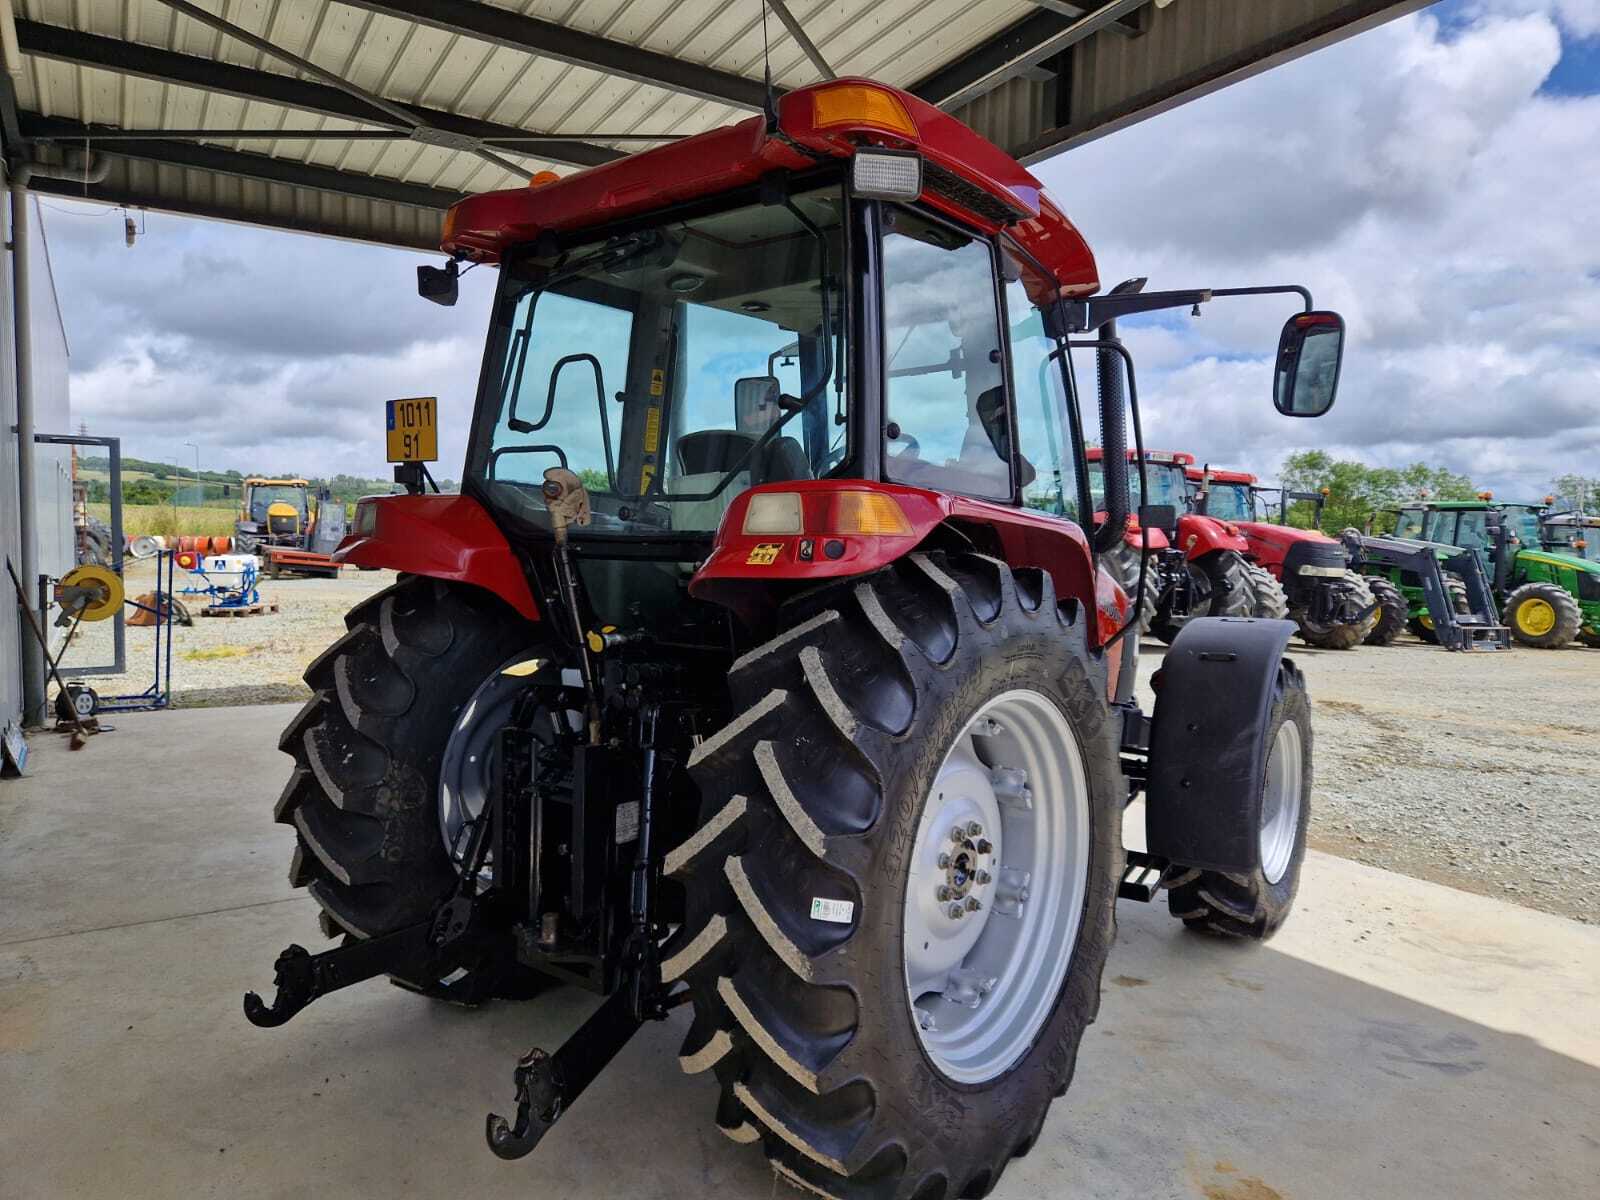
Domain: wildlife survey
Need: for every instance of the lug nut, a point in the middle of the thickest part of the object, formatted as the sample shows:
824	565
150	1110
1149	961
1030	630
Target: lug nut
943	893
957	912
958	835
983	877
944	862
973	829
985	846
973	904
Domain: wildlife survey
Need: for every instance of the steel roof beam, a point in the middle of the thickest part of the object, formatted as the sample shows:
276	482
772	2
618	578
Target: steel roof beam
513	30
1017	50
261	167
187	70
1127	26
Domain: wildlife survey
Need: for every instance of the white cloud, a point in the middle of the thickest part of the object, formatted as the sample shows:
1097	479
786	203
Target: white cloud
1417	180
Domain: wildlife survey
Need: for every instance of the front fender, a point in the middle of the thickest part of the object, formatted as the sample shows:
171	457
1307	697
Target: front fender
442	537
1199	536
1208	751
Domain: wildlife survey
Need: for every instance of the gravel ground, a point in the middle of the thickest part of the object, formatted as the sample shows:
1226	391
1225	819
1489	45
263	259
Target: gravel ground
1480	771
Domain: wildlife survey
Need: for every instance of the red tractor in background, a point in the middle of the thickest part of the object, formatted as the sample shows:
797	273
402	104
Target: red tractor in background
1335	607
766	663
1198	566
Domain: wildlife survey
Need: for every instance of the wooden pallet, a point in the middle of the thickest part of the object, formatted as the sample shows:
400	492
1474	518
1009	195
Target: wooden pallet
247	610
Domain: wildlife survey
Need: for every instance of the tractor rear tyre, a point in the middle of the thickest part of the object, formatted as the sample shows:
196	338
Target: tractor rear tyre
1272	602
1456	589
1256	905
1341	635
1543	615
1392	611
1220	583
1123	564
900	898
365	797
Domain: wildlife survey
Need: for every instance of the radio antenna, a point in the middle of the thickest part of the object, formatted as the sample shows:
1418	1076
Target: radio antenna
769	101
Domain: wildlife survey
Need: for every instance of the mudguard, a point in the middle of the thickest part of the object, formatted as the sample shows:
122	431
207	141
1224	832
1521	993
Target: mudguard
1208	750
1199	536
441	536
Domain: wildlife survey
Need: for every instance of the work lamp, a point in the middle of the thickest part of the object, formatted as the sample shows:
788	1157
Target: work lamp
886	175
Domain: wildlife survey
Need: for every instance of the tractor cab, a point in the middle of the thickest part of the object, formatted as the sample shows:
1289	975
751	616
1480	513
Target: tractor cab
1572	533
769	660
273	511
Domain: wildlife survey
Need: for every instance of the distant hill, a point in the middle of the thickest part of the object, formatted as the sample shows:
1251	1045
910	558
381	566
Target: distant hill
148	482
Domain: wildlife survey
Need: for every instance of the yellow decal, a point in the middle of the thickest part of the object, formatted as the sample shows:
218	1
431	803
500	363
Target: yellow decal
413	429
645	477
658	381
764	554
652	429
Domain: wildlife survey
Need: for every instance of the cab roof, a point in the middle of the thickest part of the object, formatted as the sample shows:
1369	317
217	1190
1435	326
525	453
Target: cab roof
1159	457
964	175
254	479
1455	505
1221	476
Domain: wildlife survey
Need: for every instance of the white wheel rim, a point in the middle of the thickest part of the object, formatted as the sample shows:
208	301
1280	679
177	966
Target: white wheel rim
982	985
1281	799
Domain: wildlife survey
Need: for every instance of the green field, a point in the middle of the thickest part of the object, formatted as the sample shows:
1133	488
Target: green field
166	521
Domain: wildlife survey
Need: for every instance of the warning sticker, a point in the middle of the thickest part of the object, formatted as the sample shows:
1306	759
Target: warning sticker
837	911
627	822
658	381
652	428
764	554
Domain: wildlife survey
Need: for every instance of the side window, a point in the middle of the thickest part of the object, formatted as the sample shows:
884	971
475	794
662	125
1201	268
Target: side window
946	425
1047	465
1441	527
1408	524
1473	532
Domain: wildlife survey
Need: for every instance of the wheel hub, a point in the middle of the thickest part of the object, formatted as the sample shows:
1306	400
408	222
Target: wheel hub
1537	617
984	956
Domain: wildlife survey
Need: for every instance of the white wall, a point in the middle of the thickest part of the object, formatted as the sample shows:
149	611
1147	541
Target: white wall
52	414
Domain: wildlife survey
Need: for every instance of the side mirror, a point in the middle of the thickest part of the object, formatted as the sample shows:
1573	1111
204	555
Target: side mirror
1309	354
1159	516
439	284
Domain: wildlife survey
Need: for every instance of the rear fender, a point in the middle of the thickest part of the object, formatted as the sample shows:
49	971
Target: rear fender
442	537
742	567
1199	536
1208	750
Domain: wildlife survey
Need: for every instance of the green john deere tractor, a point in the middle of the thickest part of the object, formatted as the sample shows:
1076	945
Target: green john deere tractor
1548	597
1575	535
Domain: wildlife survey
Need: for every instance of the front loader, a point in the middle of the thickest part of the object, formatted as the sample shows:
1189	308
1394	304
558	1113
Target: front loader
1449	593
795	694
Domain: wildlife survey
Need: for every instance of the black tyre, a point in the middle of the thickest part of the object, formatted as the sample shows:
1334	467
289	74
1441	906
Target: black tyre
1342	635
1272	602
364	797
1590	639
1123	564
1220	584
807	874
244	543
1256	905
1543	615
1456	589
1392	610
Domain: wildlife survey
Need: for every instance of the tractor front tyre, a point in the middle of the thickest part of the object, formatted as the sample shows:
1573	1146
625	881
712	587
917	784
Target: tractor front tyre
368	747
1543	615
1220	585
900	898
1392	611
1455	590
1123	564
1342	635
1255	905
244	543
1272	602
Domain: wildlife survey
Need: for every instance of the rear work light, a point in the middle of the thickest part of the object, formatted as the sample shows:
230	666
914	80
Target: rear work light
773	512
886	175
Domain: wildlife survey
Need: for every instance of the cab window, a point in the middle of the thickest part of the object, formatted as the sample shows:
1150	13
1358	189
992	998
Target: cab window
1046	464
1409	524
945	424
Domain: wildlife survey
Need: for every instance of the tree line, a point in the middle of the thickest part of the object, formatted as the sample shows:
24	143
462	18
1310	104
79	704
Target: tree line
1355	490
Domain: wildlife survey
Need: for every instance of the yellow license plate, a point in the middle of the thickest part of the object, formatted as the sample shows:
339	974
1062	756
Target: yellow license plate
413	429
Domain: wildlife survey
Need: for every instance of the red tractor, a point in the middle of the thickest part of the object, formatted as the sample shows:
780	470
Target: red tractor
765	664
1198	566
1334	606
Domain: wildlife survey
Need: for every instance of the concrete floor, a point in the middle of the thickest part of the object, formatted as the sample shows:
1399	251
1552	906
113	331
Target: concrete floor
1397	1039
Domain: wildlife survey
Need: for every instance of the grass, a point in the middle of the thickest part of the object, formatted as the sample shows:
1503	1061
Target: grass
164	520
205	654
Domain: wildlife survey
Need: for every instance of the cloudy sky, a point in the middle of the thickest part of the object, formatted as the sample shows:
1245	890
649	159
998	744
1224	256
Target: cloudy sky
1437	180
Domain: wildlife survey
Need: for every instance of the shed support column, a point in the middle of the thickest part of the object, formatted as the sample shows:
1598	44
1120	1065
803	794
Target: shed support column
32	654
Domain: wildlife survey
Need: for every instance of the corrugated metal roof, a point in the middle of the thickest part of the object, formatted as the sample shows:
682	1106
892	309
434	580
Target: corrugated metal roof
596	73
